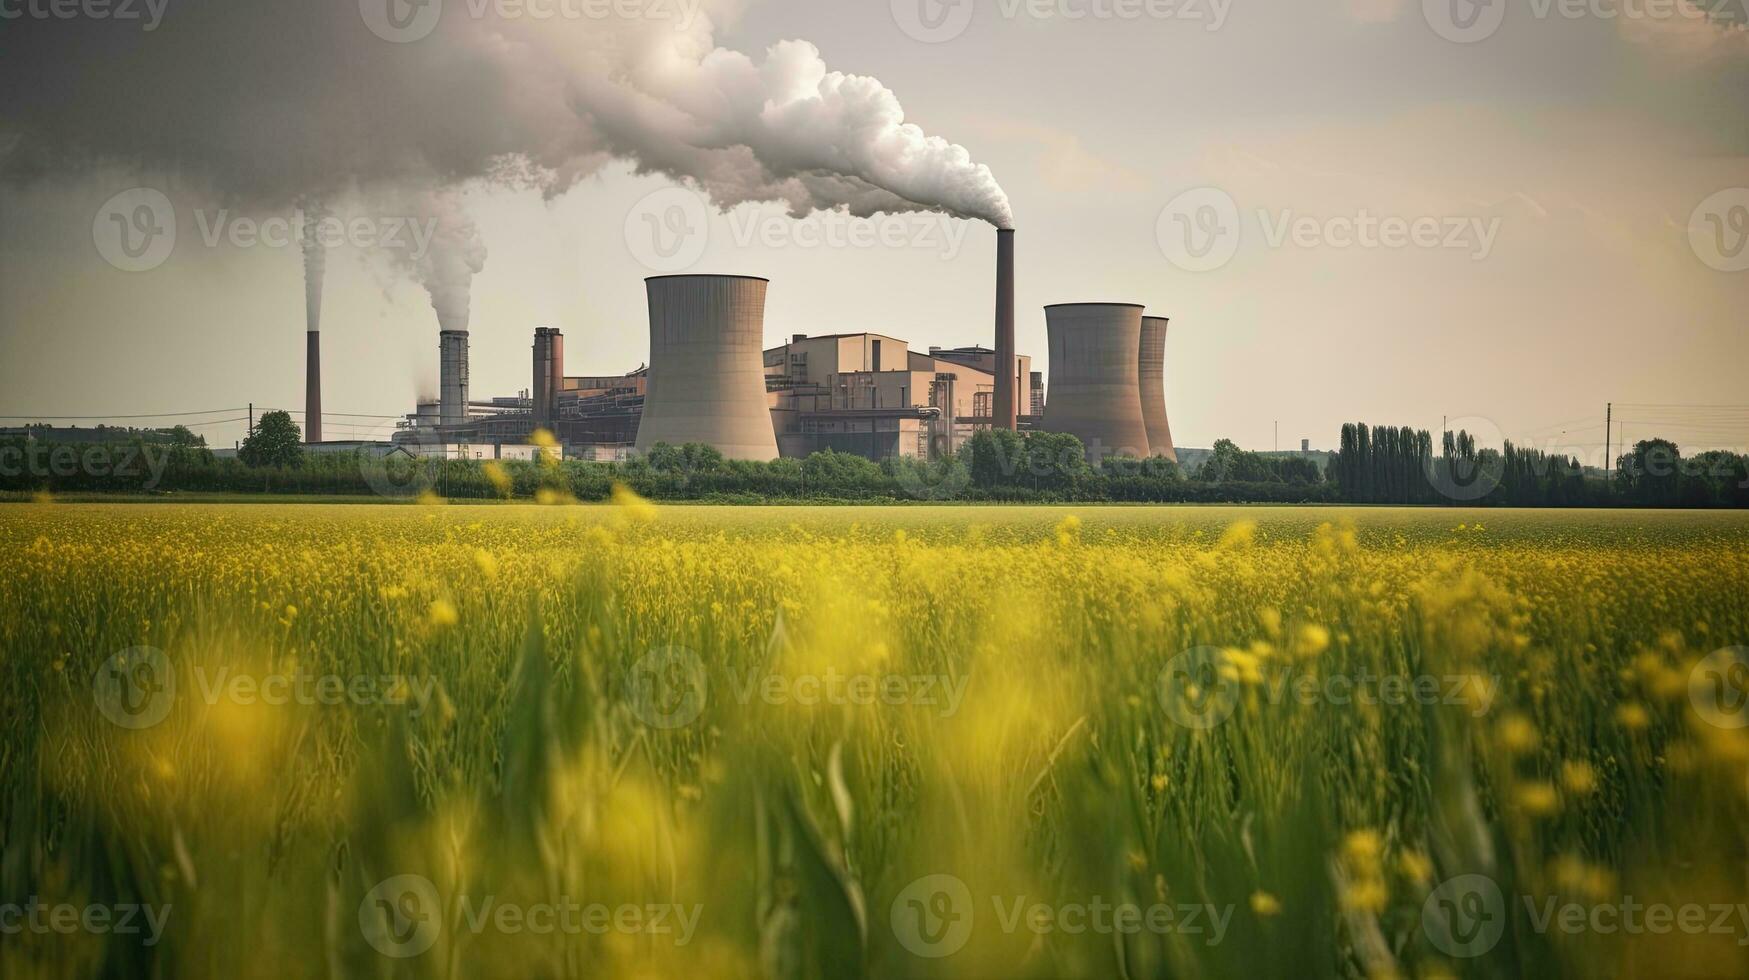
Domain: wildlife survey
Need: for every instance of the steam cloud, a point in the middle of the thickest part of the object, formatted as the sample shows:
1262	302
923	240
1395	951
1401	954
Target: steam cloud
272	101
315	263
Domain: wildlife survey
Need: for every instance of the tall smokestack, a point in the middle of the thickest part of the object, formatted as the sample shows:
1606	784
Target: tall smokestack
452	380
555	372
1006	382
542	354
315	265
1153	387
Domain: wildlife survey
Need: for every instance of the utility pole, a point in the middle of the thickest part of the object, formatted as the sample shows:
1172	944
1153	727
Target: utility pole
251	418
1608	431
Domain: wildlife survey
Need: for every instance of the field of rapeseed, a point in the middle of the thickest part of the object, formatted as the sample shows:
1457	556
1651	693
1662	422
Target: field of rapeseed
629	741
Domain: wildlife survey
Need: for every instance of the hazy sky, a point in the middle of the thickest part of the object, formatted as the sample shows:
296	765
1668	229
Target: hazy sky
1578	180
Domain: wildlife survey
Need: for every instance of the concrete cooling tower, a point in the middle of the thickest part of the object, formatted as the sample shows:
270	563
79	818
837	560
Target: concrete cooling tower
1094	391
707	367
1152	366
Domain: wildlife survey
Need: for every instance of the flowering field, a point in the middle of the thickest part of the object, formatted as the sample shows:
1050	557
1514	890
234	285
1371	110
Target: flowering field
623	741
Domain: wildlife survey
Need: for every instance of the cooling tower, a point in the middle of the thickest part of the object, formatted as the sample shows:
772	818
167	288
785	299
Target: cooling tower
1094	393
452	381
1152	365
1005	407
707	367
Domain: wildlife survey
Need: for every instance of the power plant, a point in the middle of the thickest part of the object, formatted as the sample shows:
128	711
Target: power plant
1152	366
711	380
1094	390
707	372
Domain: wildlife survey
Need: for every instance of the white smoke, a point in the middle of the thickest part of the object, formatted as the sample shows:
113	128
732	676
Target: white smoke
270	101
315	261
454	255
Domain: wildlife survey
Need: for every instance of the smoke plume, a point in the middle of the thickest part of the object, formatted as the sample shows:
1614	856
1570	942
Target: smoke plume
315	262
271	101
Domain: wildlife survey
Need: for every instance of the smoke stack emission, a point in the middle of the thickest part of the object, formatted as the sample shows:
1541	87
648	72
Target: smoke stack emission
1006	382
315	267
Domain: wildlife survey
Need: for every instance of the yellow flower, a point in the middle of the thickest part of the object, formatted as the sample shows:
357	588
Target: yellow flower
1516	734
1537	799
1264	904
443	613
1416	866
1578	777
1632	716
1313	640
631	505
487	564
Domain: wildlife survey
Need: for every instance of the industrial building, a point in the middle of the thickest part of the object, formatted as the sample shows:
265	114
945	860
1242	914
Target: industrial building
711	380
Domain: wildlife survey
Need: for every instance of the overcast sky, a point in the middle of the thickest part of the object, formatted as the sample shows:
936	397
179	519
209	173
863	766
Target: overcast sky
1563	202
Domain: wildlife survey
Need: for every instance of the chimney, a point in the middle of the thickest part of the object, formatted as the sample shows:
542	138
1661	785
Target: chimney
312	361
545	394
452	384
1006	410
555	372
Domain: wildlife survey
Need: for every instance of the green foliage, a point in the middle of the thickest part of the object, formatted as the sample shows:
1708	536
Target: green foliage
276	441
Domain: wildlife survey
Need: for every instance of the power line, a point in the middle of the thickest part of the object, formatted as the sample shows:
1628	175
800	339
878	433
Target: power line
101	418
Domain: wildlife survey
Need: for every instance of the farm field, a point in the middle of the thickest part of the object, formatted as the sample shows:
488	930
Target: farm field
798	742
